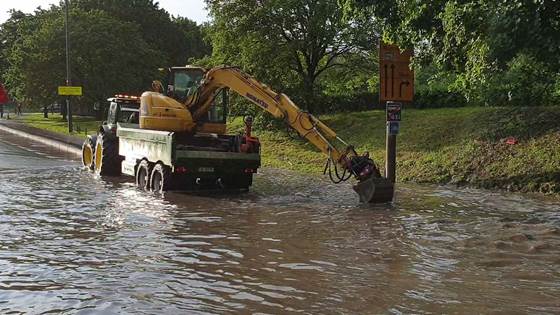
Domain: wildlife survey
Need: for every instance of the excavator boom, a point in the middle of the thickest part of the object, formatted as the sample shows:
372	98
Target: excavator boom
371	186
278	105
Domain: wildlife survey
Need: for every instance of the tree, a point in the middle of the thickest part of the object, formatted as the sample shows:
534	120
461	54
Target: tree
116	46
288	43
194	35
478	41
178	39
108	56
12	34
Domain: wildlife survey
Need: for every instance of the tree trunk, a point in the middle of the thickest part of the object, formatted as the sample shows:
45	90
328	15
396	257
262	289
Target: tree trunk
309	93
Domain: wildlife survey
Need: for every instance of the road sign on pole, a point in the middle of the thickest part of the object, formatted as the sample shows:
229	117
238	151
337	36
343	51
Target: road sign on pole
396	84
394	111
396	79
70	90
393	117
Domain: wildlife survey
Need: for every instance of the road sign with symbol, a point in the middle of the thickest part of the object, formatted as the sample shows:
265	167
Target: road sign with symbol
396	79
394	111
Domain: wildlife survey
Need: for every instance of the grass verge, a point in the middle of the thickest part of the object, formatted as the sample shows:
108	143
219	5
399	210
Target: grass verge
82	124
464	146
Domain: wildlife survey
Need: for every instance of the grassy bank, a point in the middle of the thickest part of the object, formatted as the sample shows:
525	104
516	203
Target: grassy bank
55	123
464	146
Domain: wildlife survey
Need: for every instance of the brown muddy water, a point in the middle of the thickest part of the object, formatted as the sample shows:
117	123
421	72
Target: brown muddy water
74	243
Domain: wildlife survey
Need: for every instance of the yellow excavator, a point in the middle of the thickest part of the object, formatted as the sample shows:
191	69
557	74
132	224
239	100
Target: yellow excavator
179	135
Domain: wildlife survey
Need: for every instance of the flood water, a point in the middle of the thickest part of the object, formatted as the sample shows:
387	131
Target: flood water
74	243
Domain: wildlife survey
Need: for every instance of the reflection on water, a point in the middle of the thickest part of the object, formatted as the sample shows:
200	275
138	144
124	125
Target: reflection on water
70	241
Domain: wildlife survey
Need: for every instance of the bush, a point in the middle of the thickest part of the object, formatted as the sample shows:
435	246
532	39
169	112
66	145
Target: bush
438	98
528	82
347	103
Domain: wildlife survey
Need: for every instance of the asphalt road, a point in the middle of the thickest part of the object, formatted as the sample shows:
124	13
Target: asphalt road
21	153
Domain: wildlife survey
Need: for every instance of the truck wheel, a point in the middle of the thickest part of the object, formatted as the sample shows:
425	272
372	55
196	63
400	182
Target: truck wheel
161	178
143	175
88	152
107	159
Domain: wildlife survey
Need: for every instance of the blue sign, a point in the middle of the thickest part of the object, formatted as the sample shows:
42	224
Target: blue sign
394	111
393	128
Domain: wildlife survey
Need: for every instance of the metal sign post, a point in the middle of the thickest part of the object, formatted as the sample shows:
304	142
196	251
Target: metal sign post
393	125
396	85
68	105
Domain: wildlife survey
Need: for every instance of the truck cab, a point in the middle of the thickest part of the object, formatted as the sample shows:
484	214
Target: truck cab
102	148
122	109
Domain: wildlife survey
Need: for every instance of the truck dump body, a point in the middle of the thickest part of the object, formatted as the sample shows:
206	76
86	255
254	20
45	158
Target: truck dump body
196	162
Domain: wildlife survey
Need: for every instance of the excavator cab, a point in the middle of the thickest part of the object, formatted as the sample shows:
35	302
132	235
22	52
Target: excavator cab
183	82
165	109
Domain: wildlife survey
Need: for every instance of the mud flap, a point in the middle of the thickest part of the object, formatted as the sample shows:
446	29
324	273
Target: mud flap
375	190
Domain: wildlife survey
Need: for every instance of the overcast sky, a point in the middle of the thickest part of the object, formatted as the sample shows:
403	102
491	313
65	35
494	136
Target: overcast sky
193	9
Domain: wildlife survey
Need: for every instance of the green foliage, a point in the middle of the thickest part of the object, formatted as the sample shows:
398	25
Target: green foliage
322	53
116	47
102	49
436	88
556	88
291	45
484	43
197	47
529	81
177	39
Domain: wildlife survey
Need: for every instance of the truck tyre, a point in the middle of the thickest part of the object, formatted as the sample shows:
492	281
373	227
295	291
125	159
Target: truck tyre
161	178
88	152
143	171
107	159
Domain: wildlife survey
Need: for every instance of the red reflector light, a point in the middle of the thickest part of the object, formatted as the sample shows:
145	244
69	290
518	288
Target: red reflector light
249	171
181	169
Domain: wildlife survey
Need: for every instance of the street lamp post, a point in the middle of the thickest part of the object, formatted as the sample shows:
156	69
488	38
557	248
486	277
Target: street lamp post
68	83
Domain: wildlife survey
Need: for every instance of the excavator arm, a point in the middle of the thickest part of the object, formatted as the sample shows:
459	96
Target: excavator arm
371	186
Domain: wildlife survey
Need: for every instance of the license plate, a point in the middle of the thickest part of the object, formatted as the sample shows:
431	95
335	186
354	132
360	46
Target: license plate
206	169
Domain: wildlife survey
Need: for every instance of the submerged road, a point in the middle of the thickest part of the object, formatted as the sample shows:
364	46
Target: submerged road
17	153
72	242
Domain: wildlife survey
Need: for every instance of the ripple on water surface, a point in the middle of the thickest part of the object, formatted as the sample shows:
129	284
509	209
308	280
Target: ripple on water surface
73	242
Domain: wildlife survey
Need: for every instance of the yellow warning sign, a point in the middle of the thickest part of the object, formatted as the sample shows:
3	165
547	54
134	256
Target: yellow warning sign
396	79
70	90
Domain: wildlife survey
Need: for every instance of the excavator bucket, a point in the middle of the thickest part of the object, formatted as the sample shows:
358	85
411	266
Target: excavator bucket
375	190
